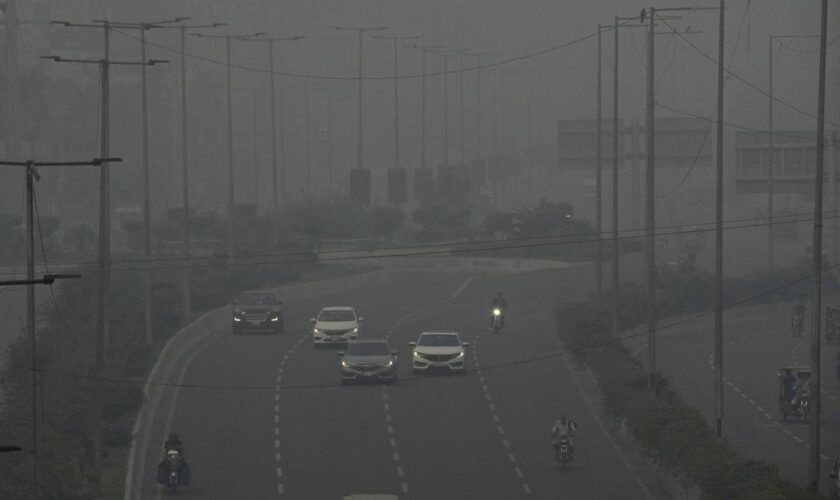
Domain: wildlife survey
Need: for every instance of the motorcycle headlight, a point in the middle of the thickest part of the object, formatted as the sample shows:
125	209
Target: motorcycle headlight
497	312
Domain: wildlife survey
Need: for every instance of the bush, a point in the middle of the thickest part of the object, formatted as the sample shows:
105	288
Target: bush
672	434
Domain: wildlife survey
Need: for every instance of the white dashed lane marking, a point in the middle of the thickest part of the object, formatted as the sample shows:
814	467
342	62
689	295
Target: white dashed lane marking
278	458
752	401
496	418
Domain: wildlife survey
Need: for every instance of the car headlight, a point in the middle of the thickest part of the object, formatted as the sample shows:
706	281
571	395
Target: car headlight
460	355
275	318
417	354
237	318
315	330
344	364
355	330
389	364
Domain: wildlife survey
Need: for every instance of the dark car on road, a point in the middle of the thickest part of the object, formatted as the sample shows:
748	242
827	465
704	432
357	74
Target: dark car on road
368	361
257	310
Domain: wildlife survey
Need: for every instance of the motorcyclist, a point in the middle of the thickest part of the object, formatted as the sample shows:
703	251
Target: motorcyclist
564	428
800	389
499	302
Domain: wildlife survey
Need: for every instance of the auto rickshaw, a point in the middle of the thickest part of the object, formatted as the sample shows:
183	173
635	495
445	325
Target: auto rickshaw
794	392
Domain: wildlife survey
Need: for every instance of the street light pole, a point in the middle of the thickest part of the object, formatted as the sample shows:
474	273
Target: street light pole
395	40
360	133
424	49
229	108
275	208
185	185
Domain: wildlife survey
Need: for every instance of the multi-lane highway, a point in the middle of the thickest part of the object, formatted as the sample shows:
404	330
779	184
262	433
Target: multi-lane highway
265	416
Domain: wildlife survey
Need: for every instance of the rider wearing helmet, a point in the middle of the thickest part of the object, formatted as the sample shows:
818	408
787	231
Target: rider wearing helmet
564	428
173	443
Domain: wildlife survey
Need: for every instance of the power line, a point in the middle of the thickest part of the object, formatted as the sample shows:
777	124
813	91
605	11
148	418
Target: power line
447	251
744	80
735	125
446	246
502	62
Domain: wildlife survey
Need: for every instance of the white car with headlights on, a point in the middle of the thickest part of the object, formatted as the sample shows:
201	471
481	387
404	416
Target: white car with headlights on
335	325
439	351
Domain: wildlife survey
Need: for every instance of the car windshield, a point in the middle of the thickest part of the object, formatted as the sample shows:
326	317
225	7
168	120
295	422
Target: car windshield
439	339
337	315
257	299
368	349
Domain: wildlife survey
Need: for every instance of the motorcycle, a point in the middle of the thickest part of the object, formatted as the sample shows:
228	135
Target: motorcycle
173	471
563	451
498	319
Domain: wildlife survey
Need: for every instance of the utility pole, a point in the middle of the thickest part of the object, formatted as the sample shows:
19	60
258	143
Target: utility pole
719	233
395	40
616	310
771	160
598	186
229	106
650	198
103	276
360	31
650	217
31	175
144	126
275	203
616	321
816	273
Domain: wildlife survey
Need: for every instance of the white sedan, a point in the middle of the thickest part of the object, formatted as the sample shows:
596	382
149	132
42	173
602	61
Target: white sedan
439	351
335	325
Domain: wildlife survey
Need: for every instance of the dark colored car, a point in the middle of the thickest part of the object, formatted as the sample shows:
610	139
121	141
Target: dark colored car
257	310
368	361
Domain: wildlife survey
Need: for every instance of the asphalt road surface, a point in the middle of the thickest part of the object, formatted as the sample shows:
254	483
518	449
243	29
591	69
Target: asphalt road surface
283	426
757	343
